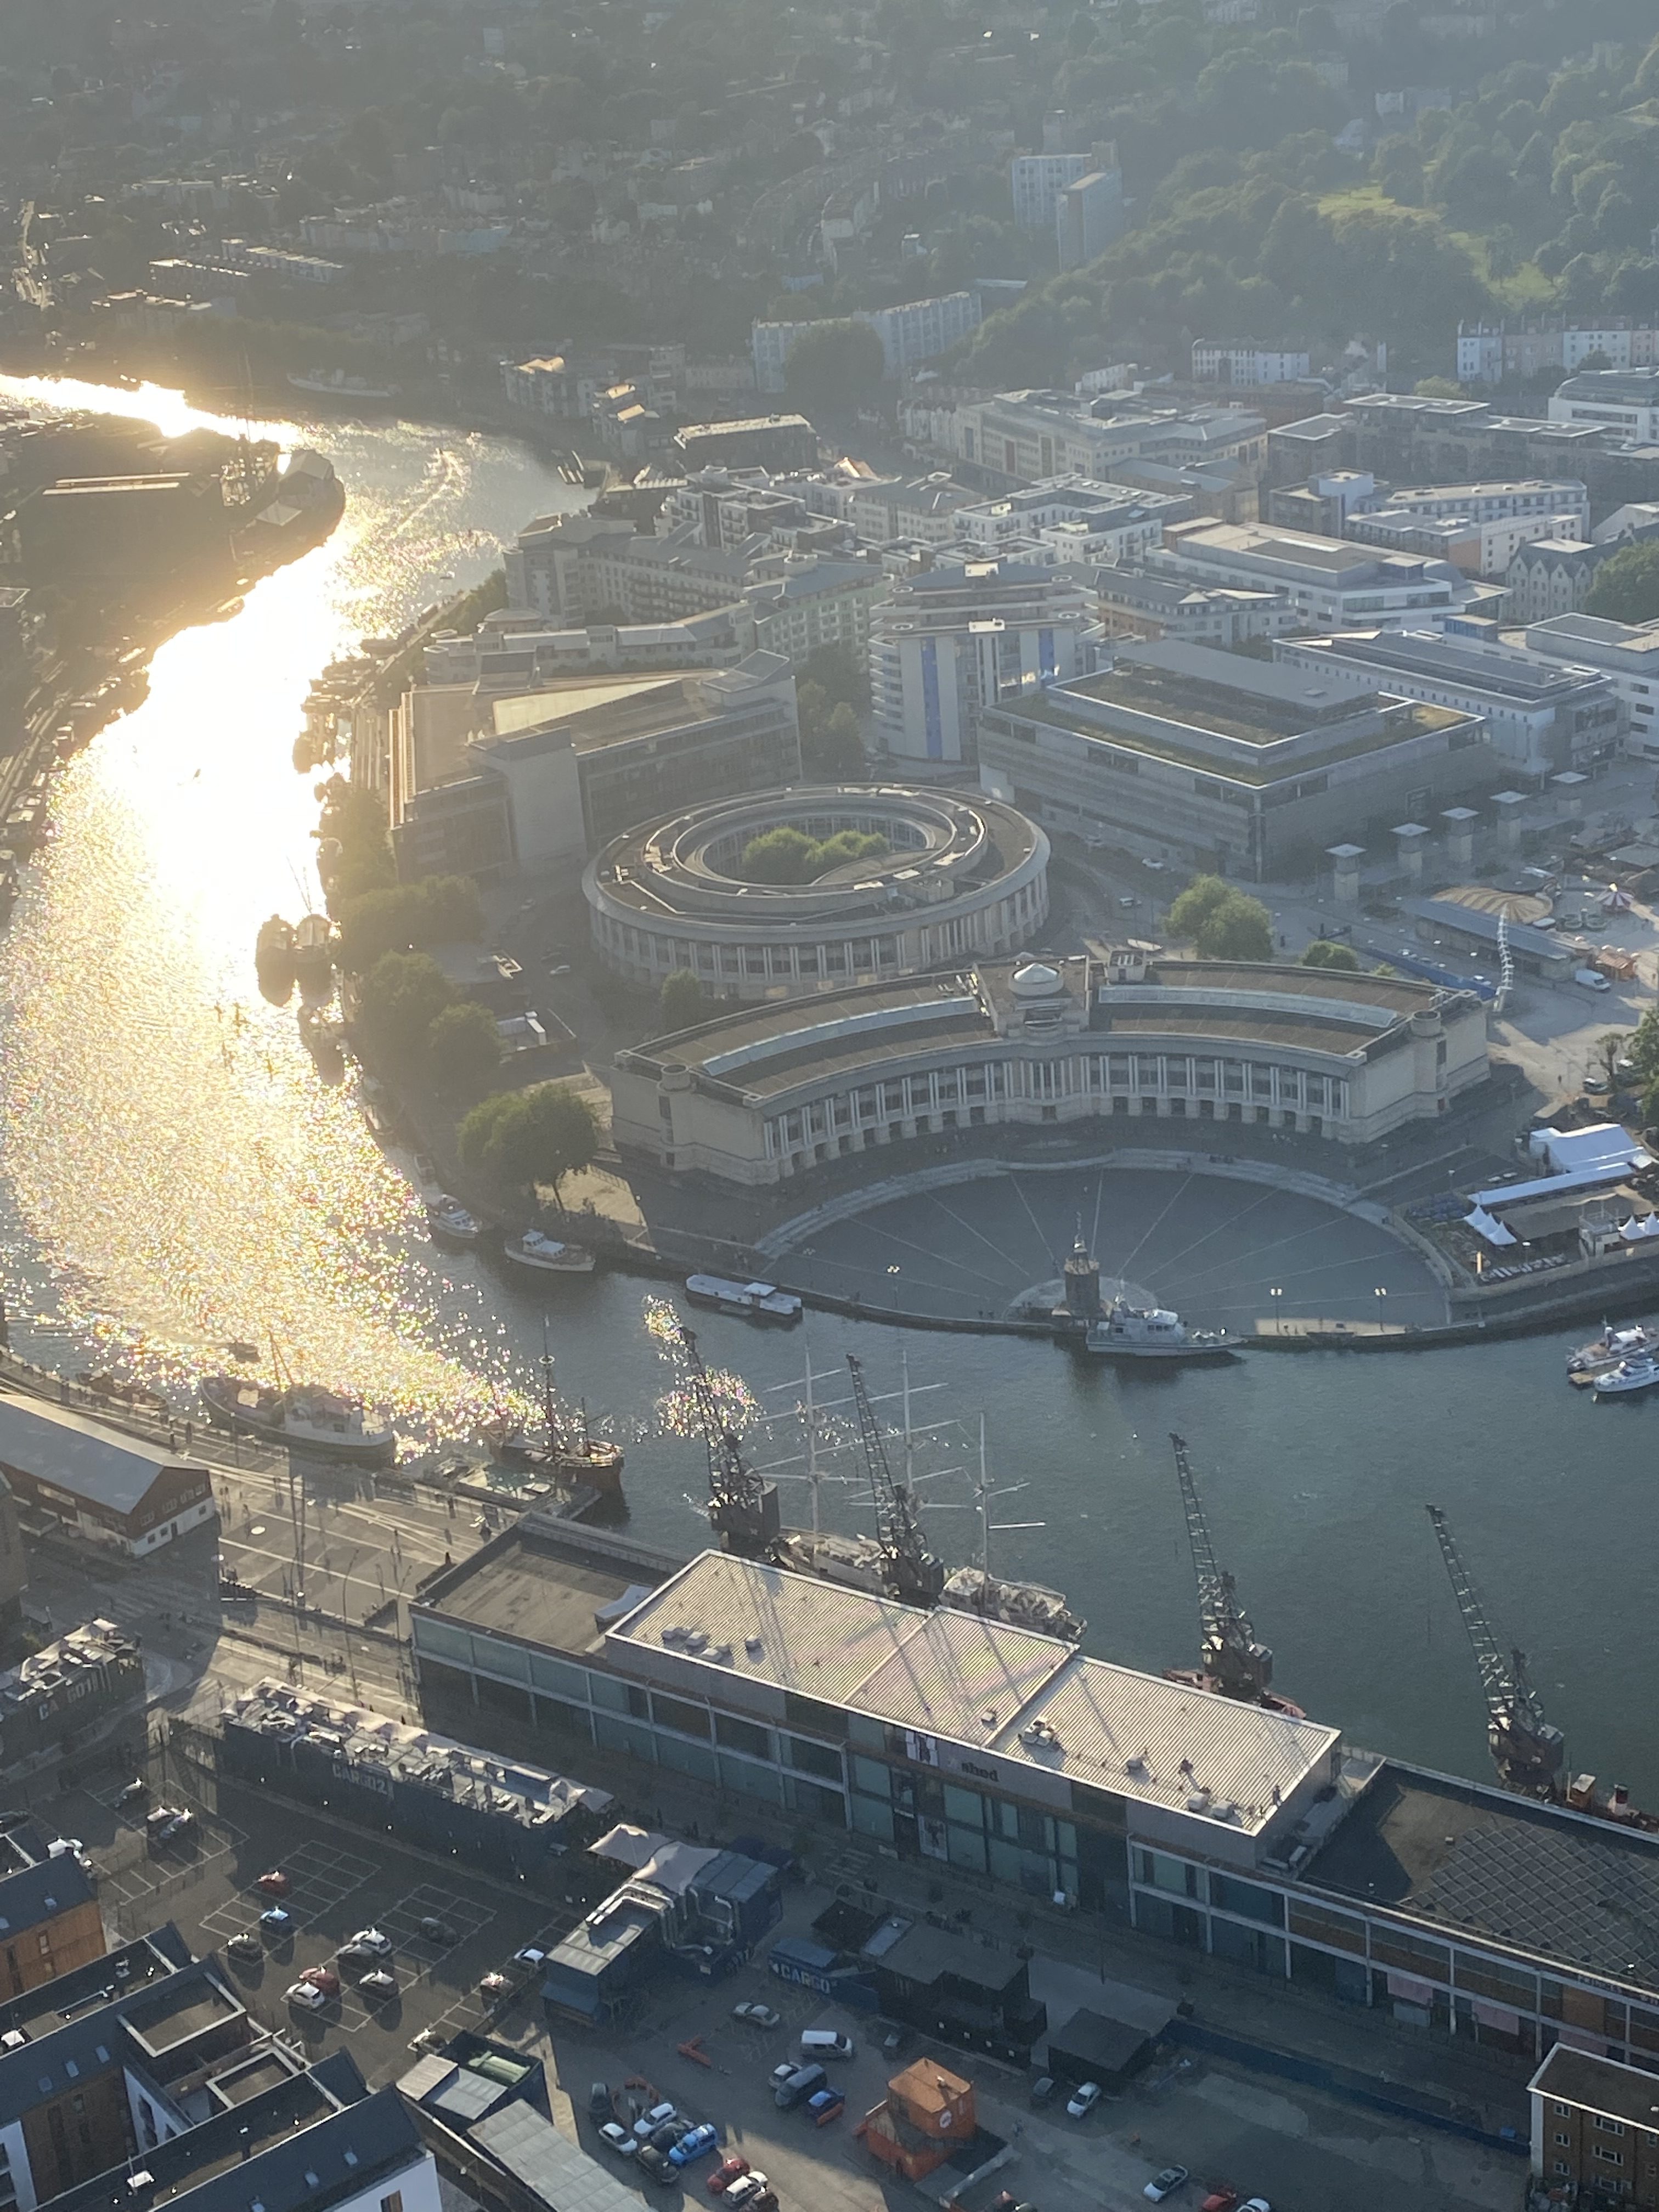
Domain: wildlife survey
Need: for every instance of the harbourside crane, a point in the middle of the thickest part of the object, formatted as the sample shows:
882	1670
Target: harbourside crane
743	1509
1233	1662
1527	1751
911	1572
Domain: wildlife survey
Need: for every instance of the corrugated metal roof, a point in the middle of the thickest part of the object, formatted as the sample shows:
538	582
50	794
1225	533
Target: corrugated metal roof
98	1464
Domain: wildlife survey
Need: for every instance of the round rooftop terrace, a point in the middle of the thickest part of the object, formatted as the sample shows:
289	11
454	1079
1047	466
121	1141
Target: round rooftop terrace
963	875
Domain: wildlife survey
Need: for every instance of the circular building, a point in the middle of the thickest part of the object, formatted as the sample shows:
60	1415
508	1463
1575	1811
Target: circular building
965	877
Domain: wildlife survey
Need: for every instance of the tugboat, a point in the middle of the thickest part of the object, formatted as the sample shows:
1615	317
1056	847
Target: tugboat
451	1226
1639	1373
549	1255
302	1417
1127	1332
1610	1348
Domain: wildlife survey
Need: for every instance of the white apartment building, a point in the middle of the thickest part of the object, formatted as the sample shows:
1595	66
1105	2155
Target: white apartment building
1625	401
1626	653
912	332
1489	352
1067	520
809	601
1038	181
953	640
1478	548
1533	496
1214	363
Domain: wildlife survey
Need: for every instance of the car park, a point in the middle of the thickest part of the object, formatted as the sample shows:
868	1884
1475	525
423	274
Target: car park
695	2145
245	1945
436	1930
824	2105
615	2138
1083	2100
654	2163
307	1997
728	2171
757	2015
1165	2184
274	1884
277	1920
323	1978
377	1985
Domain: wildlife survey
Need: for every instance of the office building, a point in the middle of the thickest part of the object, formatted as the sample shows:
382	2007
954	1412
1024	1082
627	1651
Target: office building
1554	576
523	782
1541	717
1037	181
1031	437
1622	400
1088	216
1223	762
952	641
1485	549
1133	604
1329	582
1218	363
111	1489
1627	654
961	878
513	650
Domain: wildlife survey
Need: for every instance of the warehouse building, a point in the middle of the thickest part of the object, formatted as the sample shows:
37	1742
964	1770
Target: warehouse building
962	876
113	1489
1464	1912
761	1094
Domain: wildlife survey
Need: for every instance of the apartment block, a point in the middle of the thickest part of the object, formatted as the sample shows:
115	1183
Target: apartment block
1037	181
1088	215
1626	653
1215	362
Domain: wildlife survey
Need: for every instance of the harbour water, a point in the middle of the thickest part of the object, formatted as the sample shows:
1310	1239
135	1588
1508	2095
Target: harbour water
174	1174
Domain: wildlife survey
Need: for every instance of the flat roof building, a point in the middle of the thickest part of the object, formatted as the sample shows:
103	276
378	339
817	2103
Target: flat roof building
1226	763
960	875
115	1489
1594	2127
764	1094
72	1685
1627	654
1329	582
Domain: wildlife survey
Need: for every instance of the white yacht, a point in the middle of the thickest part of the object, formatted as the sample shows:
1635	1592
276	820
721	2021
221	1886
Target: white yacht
762	1302
1610	1348
549	1255
1639	1373
1127	1332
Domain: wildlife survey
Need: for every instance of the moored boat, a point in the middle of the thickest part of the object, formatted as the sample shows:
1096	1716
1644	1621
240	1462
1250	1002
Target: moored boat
762	1302
302	1417
1127	1332
549	1255
314	952
1612	1346
451	1226
1639	1373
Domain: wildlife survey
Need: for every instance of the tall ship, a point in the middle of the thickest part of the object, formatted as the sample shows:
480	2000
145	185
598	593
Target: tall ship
300	1417
566	1452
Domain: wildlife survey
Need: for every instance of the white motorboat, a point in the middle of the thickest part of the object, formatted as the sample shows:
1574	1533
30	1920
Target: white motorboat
549	1255
1127	1332
1610	1348
452	1224
762	1302
1640	1373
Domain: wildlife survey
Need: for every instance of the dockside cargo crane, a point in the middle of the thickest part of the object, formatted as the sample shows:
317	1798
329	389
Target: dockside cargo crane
909	1570
1528	1751
742	1508
1233	1662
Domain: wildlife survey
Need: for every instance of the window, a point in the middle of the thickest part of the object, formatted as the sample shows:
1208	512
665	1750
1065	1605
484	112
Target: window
1564	2138
1609	2157
1561	2165
394	2203
1609	2127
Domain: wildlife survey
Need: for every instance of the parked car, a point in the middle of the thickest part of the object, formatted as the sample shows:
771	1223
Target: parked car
695	2145
825	2106
752	2185
167	1823
648	2122
1255	2204
757	2015
307	1996
615	2138
277	1920
599	2101
654	2163
356	1958
493	1985
274	1884
1219	2200
670	2134
821	2043
245	1945
728	2171
323	1978
378	1986
66	1847
1166	2184
436	1930
371	1939
134	1792
784	2071
1043	2089
1083	2100
530	1960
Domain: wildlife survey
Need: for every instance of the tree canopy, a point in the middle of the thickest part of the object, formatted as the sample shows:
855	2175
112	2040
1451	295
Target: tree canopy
463	1045
1322	953
680	1003
435	910
520	1138
1626	587
1221	922
398	1000
835	368
788	855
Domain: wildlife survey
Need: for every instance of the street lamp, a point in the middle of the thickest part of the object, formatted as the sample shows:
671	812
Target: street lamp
1275	1294
1381	1293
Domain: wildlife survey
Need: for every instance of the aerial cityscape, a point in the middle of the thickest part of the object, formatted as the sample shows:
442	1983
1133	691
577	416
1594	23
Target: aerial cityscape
828	1105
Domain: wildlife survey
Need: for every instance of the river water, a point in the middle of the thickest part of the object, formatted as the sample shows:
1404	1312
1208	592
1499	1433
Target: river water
174	1175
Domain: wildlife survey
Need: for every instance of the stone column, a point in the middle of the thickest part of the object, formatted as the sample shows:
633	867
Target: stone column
1509	805
1460	822
1345	872
1409	838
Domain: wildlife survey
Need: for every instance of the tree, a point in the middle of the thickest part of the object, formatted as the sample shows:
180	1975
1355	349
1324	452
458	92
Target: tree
1221	921
835	368
519	1138
436	910
1610	1050
400	997
1626	587
680	1003
1322	953
834	752
783	855
1437	387
463	1047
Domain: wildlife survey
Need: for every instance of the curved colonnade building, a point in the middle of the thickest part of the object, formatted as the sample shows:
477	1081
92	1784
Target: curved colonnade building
965	878
764	1093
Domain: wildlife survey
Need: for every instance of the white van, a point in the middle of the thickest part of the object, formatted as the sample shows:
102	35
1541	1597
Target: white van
824	2043
1590	979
